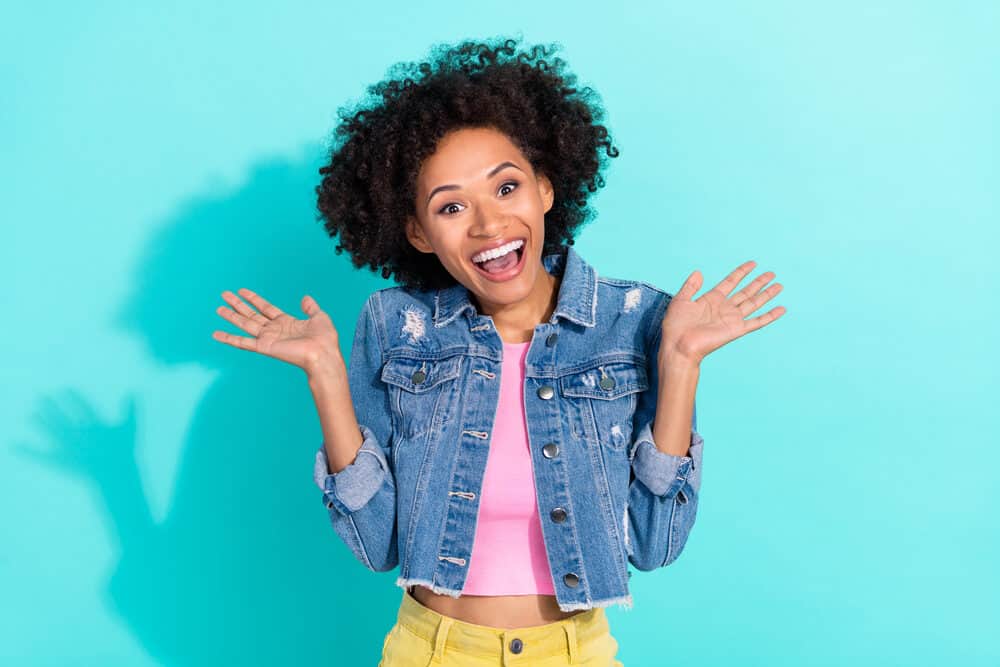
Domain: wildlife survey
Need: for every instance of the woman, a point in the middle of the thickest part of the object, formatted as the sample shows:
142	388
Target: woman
513	428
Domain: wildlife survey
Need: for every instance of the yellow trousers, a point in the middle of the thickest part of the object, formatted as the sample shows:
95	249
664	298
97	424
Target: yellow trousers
422	637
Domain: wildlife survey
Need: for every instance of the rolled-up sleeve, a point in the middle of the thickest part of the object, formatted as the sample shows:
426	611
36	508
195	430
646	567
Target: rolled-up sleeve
663	488
353	487
361	498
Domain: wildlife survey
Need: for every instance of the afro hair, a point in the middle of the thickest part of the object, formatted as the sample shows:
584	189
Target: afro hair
369	184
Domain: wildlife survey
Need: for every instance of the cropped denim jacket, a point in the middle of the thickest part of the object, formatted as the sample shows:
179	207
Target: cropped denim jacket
424	377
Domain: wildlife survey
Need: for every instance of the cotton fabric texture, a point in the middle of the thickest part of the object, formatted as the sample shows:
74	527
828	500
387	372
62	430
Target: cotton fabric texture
423	637
508	553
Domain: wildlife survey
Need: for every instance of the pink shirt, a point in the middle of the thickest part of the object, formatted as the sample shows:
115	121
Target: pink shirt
508	553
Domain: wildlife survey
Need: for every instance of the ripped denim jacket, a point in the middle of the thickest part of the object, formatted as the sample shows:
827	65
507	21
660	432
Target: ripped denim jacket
424	380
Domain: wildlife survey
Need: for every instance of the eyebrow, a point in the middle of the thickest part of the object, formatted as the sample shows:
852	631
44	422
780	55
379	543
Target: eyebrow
492	173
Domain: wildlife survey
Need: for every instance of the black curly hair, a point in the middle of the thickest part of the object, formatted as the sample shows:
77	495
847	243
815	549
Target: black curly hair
369	185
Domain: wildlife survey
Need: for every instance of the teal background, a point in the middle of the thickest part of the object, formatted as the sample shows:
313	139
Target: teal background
158	505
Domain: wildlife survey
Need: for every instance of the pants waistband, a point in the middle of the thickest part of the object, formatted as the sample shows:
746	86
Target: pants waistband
534	642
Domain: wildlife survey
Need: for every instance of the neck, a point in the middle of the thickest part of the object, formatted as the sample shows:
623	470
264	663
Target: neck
516	322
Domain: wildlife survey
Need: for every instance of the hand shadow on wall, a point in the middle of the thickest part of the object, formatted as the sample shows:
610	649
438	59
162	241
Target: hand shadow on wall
246	567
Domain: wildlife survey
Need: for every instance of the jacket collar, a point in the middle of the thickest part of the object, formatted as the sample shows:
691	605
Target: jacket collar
577	301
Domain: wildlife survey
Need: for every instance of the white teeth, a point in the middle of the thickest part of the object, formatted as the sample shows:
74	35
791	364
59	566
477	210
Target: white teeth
497	252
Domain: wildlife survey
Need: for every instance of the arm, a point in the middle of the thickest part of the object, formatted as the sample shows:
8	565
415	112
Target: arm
352	466
666	461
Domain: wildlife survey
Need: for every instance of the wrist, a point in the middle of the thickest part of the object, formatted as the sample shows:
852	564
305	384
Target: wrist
326	368
672	358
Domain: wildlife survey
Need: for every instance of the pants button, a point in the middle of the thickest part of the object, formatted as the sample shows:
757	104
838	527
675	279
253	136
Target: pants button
516	645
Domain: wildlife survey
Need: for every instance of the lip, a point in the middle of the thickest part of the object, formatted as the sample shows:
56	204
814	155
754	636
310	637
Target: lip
497	244
513	271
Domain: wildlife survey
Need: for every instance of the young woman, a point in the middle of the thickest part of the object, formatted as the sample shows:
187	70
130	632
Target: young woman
513	429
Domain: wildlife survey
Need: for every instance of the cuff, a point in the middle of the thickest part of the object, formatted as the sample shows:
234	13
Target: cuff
350	489
665	474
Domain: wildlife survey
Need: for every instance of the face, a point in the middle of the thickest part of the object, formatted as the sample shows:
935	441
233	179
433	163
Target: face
477	193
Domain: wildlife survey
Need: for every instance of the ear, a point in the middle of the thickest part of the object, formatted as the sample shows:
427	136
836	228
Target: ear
415	235
545	191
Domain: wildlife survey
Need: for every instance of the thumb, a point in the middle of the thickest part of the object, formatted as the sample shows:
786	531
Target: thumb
691	285
309	306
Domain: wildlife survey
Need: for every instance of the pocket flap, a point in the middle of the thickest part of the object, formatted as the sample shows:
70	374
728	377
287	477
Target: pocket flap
617	379
420	375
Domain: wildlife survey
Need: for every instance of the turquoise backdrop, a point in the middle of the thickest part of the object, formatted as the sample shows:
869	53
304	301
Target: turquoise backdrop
158	505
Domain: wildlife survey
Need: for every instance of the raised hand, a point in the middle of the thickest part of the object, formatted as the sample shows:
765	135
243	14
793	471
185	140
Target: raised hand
693	329
303	343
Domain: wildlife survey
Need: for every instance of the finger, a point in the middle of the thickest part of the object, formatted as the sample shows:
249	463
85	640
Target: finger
758	300
690	287
752	289
766	318
259	302
729	283
241	342
309	306
243	322
242	308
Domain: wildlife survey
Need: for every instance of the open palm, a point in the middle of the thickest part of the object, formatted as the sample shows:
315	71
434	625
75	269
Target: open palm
694	328
277	334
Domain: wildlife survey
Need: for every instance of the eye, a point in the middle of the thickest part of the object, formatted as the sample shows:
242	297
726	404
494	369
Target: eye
444	208
514	183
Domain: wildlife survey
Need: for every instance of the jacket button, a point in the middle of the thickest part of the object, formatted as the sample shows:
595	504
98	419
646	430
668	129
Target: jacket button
681	498
558	515
418	377
546	392
516	645
571	580
607	382
550	451
550	340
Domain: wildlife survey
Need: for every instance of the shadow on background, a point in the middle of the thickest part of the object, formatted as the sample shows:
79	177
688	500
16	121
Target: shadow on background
245	567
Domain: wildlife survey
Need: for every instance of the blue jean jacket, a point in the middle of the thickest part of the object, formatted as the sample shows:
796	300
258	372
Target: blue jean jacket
424	378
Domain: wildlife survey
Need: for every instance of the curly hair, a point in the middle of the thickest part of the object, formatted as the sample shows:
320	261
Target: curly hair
369	184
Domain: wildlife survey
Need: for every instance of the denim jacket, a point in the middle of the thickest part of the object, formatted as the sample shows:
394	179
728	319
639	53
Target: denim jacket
424	377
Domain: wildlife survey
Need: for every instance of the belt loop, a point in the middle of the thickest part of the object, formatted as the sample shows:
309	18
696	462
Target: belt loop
571	640
441	638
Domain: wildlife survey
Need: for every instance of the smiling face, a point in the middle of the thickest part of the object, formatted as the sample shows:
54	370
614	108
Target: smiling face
478	194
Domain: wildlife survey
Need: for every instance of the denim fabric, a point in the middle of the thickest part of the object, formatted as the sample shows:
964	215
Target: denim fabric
424	380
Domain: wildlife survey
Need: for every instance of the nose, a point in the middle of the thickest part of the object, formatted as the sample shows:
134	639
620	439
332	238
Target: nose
488	222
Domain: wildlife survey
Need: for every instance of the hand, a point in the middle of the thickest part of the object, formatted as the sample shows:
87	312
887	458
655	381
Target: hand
303	343
692	329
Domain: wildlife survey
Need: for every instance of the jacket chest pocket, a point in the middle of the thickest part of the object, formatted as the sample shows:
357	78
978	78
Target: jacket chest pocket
605	398
421	392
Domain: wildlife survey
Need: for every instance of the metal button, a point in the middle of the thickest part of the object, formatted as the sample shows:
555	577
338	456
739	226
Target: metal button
571	580
681	498
418	377
607	382
546	392
558	515
550	451
516	645
550	340
329	505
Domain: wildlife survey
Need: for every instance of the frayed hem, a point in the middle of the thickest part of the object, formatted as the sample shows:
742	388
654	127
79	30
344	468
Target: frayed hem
440	590
625	602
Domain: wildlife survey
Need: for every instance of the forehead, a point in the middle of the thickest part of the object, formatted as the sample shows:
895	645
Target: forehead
467	153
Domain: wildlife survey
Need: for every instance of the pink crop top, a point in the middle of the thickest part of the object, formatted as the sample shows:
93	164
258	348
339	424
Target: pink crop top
508	553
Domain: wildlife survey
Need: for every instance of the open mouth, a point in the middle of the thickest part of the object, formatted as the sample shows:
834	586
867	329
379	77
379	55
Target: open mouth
506	266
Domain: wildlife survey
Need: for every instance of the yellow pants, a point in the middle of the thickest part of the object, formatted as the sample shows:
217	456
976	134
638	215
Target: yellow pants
422	637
